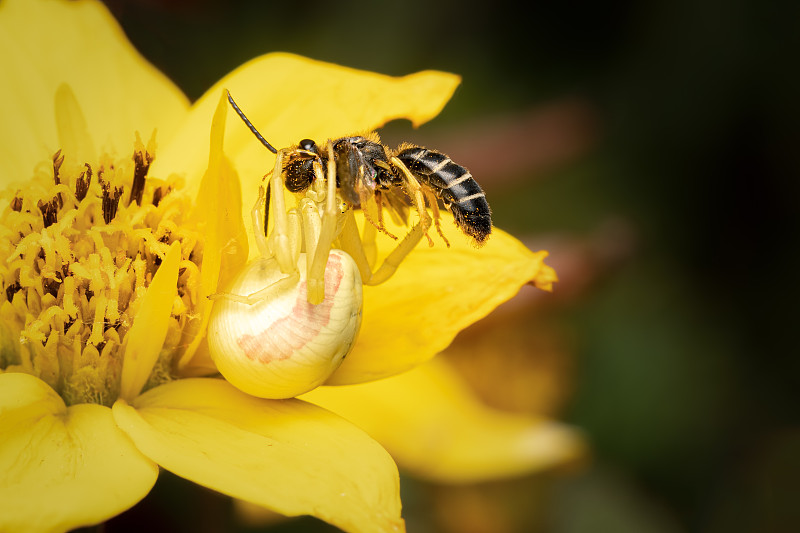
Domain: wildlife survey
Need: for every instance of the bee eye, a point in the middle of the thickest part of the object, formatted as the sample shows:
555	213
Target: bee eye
308	144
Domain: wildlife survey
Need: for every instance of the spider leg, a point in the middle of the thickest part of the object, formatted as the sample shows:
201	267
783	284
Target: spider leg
284	239
318	257
258	296
350	241
355	247
259	221
290	224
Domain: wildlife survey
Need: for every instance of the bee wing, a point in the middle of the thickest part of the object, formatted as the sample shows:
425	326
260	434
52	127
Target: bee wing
353	174
398	205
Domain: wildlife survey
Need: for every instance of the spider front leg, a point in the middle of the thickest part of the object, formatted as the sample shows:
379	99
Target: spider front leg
327	233
352	244
283	242
291	224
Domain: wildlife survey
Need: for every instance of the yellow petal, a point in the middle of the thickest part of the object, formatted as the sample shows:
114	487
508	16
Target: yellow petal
218	209
545	277
252	515
436	428
289	98
436	292
44	44
287	455
63	467
74	137
145	339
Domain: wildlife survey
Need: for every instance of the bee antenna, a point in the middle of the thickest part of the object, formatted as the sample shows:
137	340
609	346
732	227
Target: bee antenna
250	124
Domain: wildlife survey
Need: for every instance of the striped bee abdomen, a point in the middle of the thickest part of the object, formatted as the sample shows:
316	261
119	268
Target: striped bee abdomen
455	186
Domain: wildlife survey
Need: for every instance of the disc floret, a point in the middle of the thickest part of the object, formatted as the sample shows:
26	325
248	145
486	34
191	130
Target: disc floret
82	242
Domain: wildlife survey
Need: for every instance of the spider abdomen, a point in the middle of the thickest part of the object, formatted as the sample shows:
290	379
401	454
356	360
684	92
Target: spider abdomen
279	345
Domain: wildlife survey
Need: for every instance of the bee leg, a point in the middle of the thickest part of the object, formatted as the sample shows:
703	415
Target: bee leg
409	242
372	211
376	200
433	202
413	237
327	233
370	247
371	230
379	207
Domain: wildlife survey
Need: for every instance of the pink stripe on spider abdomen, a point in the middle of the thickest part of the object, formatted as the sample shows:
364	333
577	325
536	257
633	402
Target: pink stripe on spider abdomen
284	337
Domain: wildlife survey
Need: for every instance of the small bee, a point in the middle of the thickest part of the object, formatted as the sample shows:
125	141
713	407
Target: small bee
365	169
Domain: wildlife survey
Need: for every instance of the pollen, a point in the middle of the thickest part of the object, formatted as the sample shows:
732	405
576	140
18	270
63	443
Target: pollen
79	245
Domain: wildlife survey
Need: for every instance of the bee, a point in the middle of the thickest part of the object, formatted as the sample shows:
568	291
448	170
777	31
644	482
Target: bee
366	168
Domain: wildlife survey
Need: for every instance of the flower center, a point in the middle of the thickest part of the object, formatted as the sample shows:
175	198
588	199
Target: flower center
80	245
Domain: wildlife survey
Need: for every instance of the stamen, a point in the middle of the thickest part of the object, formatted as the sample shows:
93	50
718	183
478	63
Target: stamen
142	159
58	160
74	281
12	289
160	193
51	285
49	211
110	201
83	182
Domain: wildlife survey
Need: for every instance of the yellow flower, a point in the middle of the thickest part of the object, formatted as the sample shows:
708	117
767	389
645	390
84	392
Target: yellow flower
108	260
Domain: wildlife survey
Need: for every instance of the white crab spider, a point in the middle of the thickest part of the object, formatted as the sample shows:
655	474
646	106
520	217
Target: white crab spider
287	321
265	336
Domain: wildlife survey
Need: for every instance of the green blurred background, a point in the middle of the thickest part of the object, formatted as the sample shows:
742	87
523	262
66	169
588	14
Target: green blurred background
653	147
